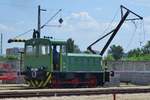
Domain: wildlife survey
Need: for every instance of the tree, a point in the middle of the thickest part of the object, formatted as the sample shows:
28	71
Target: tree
87	52
135	52
71	47
77	49
140	51
116	52
109	57
146	49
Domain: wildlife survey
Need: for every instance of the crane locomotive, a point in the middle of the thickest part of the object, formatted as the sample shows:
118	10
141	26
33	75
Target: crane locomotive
47	62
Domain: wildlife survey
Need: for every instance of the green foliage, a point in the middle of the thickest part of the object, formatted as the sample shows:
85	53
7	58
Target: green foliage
146	49
71	47
76	49
109	58
135	52
140	54
116	52
139	58
3	58
12	57
87	52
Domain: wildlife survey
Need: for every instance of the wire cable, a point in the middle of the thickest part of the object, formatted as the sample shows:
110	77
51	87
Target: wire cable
41	26
131	39
143	29
23	33
51	18
110	24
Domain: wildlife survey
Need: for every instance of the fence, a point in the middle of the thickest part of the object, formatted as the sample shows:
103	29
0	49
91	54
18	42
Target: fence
136	72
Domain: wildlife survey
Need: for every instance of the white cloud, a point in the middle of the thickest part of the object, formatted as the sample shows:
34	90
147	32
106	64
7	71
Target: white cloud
82	27
85	29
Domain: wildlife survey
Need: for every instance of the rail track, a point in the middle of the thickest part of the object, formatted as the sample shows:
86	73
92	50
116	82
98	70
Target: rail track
70	92
13	86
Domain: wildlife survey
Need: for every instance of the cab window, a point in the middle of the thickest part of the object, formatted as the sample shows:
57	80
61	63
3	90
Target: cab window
44	49
30	50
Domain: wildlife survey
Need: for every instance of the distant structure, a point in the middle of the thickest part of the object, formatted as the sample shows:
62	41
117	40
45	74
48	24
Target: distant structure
13	51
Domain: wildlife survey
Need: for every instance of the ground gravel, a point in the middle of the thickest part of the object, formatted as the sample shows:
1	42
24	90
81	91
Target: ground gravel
95	97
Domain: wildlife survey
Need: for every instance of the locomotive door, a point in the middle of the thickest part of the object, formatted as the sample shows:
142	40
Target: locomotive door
56	57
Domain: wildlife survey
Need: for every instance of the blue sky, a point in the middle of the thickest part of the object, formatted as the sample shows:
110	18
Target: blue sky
84	21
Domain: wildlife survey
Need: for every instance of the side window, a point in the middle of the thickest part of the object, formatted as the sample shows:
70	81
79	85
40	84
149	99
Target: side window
44	49
63	49
30	50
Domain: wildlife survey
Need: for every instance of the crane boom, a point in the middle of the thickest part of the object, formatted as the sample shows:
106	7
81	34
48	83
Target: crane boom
90	46
114	32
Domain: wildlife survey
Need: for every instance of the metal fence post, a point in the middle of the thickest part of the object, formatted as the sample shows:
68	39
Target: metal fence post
114	96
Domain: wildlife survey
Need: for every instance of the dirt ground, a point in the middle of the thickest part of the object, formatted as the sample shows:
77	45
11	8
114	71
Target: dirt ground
96	97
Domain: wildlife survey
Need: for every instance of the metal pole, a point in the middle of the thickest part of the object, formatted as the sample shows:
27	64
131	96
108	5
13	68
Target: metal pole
21	61
114	96
39	20
1	43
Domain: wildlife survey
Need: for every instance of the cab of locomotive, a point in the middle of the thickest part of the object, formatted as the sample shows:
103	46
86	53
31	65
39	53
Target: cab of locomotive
42	56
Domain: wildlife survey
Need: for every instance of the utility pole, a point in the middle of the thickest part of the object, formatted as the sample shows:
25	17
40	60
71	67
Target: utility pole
1	44
39	18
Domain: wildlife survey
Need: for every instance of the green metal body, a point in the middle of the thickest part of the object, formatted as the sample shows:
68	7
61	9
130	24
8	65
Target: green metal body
68	62
81	62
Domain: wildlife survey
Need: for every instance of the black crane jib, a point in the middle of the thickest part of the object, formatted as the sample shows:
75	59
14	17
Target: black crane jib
90	47
114	32
123	7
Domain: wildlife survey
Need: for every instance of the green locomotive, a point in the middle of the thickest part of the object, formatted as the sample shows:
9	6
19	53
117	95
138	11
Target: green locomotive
48	63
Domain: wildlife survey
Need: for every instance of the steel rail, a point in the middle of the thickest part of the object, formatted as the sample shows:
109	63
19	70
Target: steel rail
70	92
